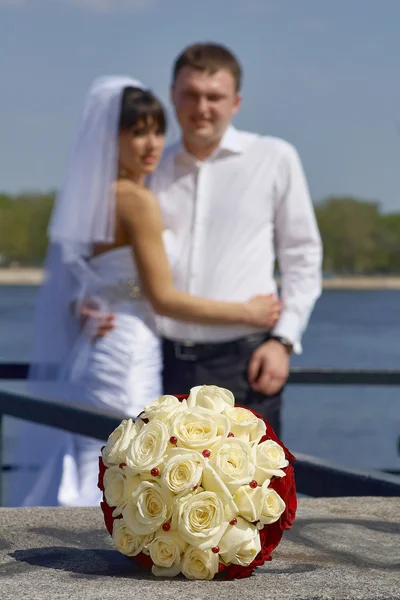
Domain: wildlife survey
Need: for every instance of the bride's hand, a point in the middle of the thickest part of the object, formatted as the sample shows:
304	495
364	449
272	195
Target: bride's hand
263	311
102	322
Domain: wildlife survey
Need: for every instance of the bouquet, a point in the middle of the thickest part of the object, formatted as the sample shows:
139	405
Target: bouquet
198	486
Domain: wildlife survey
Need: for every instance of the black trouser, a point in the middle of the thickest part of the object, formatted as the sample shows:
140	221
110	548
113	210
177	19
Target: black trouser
224	364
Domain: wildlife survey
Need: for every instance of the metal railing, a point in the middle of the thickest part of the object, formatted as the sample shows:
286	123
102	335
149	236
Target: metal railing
314	476
298	376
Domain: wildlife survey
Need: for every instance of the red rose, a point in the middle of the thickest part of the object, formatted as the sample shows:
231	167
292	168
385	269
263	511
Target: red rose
181	397
238	572
102	470
108	518
286	488
270	537
143	560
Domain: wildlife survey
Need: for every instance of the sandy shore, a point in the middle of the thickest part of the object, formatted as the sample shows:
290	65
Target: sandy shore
21	276
362	283
29	276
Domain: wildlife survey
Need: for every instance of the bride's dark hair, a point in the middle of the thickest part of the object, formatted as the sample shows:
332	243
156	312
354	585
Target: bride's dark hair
141	106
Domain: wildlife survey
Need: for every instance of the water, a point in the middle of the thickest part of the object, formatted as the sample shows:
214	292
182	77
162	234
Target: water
354	426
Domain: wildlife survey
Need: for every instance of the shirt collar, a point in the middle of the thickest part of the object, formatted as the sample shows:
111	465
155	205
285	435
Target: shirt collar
231	141
230	144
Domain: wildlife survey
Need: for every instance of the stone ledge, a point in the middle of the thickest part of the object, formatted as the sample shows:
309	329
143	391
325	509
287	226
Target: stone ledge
338	549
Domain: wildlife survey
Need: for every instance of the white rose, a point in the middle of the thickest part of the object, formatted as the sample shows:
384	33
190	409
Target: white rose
148	448
163	408
248	501
270	460
165	552
114	452
119	483
126	541
177	506
248	551
199	564
200	429
210	396
182	471
245	425
271	505
212	482
240	544
200	519
148	508
233	463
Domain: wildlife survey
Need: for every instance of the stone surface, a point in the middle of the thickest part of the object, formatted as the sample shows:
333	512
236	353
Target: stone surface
338	549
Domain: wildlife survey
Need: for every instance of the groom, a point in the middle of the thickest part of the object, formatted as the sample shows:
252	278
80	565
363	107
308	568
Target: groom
236	202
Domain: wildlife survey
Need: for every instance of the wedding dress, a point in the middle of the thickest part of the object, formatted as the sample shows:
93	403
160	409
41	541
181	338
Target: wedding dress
121	371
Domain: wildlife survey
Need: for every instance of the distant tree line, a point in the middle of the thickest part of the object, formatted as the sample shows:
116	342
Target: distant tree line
357	237
23	224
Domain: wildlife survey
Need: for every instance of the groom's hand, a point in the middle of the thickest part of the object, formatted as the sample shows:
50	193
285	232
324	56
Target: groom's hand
103	322
268	368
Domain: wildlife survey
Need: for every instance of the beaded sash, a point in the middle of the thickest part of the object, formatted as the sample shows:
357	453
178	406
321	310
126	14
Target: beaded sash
122	291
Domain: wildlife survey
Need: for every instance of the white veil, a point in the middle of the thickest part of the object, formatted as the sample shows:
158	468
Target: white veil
83	214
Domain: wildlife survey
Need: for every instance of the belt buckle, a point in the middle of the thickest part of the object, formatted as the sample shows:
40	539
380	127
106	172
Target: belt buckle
182	353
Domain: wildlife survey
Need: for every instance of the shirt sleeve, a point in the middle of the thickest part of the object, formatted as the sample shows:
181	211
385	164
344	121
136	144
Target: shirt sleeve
298	248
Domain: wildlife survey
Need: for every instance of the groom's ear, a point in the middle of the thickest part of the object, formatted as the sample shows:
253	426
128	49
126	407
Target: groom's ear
237	103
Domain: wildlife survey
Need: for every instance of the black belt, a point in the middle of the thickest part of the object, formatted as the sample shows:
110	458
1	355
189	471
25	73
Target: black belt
192	351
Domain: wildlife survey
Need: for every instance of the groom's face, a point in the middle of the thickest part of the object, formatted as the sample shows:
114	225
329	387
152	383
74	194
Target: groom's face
204	104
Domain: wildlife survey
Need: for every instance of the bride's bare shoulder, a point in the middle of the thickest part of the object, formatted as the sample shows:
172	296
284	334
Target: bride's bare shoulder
128	190
129	195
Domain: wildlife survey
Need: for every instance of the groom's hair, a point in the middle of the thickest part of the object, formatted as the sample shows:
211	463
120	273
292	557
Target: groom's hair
211	58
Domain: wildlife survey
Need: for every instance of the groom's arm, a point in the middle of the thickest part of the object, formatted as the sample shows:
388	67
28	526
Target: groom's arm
298	249
299	254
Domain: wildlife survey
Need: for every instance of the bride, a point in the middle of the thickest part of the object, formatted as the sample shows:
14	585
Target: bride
107	242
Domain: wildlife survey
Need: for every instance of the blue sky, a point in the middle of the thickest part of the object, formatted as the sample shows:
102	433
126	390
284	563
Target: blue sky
323	75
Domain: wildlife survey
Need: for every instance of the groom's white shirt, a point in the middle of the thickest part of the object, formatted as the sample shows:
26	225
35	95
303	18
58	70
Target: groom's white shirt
232	216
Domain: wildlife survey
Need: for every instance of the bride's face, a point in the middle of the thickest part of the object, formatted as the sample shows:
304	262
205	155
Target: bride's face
140	148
